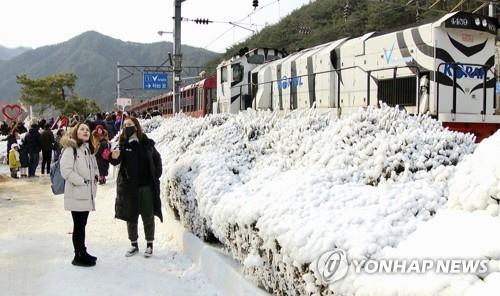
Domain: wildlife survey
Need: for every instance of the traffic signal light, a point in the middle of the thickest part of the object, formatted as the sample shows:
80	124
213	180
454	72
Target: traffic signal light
202	21
347	10
255	3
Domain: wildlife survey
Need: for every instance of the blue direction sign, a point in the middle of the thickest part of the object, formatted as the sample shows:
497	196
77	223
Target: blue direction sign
155	80
498	88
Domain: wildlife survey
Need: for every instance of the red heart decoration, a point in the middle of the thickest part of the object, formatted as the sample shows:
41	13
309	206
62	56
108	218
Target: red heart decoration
12	112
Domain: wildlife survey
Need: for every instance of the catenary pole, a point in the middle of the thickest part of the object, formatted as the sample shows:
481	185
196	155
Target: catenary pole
176	81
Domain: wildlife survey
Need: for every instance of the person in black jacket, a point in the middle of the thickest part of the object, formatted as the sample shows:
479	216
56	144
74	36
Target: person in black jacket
42	123
47	141
4	128
110	127
138	184
34	146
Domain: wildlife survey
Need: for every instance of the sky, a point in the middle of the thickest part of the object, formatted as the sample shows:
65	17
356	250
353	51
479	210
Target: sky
36	23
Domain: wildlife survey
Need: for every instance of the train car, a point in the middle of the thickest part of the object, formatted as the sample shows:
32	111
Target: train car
233	79
445	67
196	100
155	103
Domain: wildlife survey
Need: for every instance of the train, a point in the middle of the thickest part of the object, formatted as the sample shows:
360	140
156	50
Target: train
445	67
196	100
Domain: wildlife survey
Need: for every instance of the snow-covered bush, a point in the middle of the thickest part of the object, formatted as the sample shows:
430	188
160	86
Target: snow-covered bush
148	125
279	190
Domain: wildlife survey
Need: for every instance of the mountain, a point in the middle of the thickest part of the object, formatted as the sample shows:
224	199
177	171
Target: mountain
93	58
9	53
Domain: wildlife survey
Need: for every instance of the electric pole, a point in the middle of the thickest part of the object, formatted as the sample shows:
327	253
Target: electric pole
117	79
177	55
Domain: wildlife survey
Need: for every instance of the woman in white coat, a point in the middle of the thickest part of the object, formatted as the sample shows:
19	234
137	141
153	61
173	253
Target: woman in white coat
79	169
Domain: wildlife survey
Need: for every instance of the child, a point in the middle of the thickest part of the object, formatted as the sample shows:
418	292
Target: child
14	162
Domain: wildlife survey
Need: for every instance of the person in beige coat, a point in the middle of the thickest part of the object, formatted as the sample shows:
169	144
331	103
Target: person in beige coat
79	169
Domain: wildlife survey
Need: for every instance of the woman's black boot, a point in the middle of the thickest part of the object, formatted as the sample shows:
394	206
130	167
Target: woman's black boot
81	260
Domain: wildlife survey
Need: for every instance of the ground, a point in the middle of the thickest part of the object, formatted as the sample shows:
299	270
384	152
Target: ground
36	249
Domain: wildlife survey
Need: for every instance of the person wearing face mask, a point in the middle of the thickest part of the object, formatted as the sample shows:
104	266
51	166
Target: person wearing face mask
138	184
79	168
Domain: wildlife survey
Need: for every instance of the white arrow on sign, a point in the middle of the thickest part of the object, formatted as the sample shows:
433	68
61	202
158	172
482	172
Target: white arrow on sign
155	77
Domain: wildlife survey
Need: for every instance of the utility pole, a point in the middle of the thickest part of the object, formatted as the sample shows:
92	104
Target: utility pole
117	79
177	55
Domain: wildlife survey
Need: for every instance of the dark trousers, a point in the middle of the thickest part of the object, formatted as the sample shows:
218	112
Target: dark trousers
147	214
79	223
33	163
46	160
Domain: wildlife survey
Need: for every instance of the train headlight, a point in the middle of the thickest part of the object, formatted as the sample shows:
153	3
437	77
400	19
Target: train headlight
477	21
485	23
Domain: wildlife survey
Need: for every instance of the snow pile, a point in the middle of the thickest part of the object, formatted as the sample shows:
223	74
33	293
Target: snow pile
476	184
450	234
278	191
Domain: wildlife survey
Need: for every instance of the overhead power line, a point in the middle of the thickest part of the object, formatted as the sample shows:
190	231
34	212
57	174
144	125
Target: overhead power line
233	23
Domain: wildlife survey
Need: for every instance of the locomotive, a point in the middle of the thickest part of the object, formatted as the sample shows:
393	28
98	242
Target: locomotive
444	67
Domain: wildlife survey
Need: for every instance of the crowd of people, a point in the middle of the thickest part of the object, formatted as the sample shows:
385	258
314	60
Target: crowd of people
83	149
44	137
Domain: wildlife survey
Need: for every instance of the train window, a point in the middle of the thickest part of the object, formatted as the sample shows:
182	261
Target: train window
256	59
200	98
223	74
237	73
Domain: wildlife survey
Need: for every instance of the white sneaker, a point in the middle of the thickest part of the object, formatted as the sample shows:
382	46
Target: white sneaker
149	252
132	251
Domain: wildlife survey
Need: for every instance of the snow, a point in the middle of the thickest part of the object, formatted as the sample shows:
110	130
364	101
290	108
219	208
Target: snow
36	252
450	234
252	260
288	187
476	184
